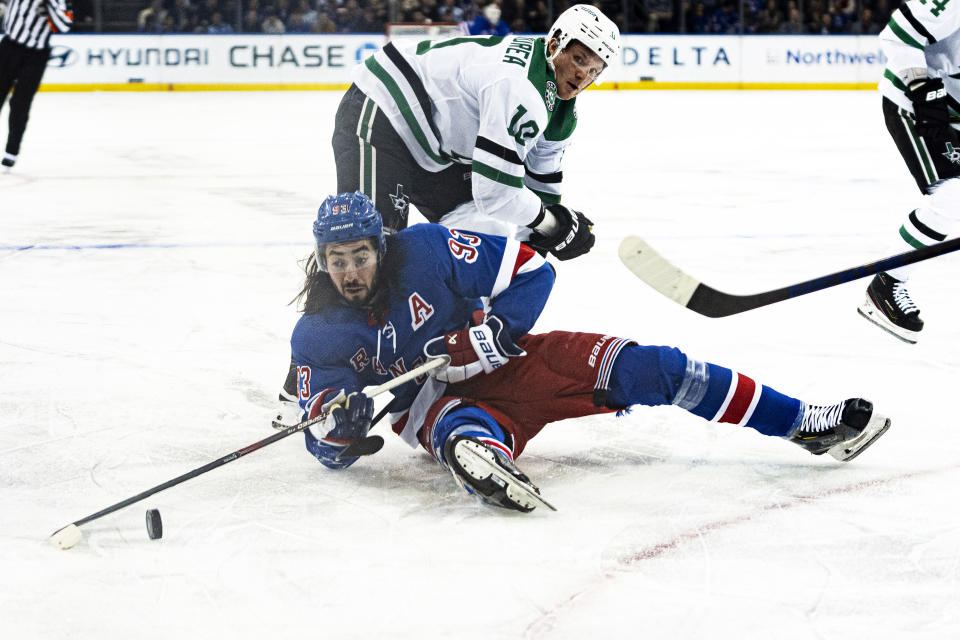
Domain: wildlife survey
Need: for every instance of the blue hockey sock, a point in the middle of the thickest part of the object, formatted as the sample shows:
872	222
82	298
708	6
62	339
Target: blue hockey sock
469	421
661	375
646	375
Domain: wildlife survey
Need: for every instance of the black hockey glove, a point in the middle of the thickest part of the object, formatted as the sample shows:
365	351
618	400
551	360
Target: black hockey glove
929	106
573	237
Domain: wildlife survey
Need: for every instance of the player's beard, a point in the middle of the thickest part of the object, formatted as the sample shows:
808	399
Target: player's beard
358	294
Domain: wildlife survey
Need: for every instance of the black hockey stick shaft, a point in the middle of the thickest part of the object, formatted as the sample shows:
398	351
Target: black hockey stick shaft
239	453
210	466
717	304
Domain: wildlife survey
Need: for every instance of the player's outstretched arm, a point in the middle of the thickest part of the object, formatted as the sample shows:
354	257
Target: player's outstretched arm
565	233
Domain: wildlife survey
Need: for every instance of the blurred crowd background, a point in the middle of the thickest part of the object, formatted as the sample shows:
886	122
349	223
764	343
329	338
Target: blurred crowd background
479	17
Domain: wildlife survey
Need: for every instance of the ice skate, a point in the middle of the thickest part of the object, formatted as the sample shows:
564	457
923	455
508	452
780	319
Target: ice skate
288	404
490	475
888	305
288	412
843	430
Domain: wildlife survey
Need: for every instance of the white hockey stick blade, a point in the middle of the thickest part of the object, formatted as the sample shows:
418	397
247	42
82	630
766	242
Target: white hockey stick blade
66	537
846	451
657	271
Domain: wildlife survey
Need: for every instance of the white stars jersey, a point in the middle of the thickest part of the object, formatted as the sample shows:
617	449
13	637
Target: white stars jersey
489	102
923	33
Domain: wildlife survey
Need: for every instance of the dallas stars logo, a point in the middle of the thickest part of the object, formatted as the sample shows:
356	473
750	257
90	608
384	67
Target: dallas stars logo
400	199
952	154
550	95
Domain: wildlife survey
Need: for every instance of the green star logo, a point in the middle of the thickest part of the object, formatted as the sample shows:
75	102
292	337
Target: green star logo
550	95
952	154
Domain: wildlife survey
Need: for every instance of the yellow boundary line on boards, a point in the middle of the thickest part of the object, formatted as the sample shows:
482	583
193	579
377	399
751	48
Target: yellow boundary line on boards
147	86
728	86
337	86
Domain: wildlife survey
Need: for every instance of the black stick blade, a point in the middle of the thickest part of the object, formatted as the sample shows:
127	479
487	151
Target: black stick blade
363	447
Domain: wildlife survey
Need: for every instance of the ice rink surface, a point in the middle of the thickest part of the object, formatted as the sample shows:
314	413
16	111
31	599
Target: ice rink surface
148	250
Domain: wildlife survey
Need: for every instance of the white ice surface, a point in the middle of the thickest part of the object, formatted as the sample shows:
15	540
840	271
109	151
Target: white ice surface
149	245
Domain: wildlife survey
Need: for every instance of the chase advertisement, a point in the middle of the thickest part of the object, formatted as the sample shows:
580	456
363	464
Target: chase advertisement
324	61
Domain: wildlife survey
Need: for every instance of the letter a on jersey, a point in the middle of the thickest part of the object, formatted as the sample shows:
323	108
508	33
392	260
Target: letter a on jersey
420	311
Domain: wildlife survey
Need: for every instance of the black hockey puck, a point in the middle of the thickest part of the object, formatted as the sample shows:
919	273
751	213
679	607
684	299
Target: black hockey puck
154	524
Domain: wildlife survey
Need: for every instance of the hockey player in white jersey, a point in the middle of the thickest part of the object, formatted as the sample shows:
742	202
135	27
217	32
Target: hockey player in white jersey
921	105
472	130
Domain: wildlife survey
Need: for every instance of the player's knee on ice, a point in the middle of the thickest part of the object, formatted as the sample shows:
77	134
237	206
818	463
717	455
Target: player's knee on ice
470	421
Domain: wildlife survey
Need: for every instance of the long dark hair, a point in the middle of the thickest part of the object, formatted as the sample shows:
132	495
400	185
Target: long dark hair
318	291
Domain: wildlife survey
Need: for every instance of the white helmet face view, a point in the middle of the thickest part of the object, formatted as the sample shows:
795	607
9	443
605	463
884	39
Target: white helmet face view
588	25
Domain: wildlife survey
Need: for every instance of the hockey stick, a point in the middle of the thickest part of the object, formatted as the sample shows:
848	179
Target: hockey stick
368	445
662	275
70	535
364	446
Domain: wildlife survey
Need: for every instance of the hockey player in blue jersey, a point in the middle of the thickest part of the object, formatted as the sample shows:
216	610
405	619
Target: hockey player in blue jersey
377	306
473	132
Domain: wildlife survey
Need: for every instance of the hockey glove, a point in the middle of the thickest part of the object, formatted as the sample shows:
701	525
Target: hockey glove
482	348
572	238
929	106
348	419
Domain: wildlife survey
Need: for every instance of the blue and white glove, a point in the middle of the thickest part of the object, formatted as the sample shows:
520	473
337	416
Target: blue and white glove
348	419
482	348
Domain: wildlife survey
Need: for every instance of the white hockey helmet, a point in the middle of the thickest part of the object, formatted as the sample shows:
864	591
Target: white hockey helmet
587	24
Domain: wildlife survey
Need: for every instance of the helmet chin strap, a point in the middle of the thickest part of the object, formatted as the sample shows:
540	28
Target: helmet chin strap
553	56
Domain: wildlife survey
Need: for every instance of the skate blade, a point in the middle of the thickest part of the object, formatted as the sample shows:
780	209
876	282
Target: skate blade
479	462
288	413
846	451
869	311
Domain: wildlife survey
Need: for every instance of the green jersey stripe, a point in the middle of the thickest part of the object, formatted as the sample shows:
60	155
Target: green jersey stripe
918	144
913	242
427	45
397	94
892	77
496	175
549	198
903	35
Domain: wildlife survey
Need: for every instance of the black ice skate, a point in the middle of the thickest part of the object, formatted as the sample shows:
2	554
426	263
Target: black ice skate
888	305
288	404
8	161
491	476
843	430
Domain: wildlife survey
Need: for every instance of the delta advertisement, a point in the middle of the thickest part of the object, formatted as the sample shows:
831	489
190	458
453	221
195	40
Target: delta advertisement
168	62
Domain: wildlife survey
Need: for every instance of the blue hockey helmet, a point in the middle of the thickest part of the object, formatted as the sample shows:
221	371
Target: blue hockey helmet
345	217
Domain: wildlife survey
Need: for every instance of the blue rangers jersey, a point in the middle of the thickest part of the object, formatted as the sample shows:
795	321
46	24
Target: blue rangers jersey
444	275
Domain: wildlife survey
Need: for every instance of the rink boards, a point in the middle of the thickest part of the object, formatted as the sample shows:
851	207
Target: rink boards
259	62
